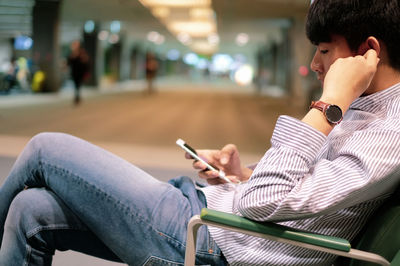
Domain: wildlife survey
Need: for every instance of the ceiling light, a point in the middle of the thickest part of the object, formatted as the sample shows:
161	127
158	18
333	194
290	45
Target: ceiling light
89	26
203	47
103	35
23	43
160	40
193	28
191	59
114	38
221	62
152	36
115	26
201	13
188	20
242	39
155	37
184	38
160	12
244	75
213	39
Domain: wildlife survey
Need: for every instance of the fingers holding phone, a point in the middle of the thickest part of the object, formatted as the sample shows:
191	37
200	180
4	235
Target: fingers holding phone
211	157
203	161
217	166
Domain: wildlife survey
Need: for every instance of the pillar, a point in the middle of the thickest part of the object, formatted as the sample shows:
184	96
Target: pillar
91	44
125	62
45	32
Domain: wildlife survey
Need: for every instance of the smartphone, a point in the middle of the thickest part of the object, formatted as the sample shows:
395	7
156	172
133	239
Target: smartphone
181	143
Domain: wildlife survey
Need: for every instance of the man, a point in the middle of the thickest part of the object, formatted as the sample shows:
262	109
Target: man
78	60
323	174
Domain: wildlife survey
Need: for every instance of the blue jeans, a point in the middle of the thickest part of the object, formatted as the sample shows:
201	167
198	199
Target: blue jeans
65	193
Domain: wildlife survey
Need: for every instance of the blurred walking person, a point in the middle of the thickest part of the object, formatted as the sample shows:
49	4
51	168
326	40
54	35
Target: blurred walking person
151	71
78	62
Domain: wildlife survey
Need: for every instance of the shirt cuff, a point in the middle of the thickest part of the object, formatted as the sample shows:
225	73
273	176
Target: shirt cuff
294	134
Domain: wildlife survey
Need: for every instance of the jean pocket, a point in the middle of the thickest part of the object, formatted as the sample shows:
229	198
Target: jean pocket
156	261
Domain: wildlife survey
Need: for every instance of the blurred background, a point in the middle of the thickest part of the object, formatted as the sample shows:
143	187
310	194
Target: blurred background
134	75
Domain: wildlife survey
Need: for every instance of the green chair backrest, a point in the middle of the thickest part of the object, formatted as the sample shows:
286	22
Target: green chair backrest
396	260
382	233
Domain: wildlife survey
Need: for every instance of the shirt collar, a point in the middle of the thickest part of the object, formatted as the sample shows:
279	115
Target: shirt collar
375	101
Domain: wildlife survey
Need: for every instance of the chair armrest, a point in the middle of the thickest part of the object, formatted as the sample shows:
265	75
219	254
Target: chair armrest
275	230
396	259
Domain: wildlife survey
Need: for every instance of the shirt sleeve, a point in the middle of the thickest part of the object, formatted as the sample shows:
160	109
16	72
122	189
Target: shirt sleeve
288	183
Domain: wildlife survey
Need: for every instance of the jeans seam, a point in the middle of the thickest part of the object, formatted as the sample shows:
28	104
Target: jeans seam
170	237
38	229
28	255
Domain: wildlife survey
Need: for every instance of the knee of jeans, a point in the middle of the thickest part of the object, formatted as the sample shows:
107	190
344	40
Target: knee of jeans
39	141
46	141
26	211
44	138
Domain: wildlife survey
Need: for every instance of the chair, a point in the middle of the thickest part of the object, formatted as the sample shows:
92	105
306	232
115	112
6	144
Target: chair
377	243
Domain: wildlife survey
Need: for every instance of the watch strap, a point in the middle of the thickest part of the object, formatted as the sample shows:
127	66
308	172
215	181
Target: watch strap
320	105
323	107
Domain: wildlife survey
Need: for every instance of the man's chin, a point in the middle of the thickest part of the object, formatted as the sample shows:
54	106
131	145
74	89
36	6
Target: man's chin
321	81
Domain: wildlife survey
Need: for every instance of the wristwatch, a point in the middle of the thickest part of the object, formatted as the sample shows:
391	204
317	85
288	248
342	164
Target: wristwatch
332	112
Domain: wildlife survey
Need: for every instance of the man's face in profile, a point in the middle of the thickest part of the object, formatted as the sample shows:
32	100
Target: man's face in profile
327	53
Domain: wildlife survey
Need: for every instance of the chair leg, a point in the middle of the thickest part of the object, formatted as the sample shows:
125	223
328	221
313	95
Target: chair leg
193	225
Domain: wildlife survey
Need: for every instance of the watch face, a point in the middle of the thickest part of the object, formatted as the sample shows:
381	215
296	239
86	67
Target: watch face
334	114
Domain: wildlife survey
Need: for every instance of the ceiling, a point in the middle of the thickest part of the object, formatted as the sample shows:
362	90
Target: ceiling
15	17
262	20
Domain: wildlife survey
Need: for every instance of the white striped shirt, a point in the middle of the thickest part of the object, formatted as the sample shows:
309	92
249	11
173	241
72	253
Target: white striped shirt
327	185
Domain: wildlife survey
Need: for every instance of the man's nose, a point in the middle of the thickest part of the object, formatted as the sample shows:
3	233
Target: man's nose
316	65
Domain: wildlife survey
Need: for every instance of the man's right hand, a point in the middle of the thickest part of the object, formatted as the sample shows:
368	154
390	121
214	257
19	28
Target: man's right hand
348	78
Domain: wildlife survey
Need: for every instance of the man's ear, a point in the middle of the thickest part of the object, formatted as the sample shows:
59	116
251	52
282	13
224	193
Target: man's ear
370	43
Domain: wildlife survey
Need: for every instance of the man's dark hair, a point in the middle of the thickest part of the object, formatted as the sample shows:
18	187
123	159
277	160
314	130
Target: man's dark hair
356	20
